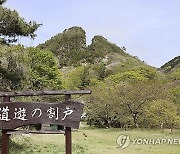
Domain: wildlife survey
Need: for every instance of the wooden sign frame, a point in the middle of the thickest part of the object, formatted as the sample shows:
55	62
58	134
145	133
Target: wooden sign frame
74	118
18	114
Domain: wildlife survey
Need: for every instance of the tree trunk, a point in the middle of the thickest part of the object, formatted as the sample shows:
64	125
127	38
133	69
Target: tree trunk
135	121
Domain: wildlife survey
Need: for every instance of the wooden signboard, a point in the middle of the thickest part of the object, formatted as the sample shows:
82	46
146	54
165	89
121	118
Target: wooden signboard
16	114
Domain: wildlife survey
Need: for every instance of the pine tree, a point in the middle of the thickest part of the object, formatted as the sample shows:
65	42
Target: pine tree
12	25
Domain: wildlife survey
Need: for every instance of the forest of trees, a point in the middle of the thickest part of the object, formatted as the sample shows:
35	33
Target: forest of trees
135	99
126	92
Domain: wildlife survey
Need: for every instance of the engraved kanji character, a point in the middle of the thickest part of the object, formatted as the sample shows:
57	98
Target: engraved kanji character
67	112
53	113
20	114
4	115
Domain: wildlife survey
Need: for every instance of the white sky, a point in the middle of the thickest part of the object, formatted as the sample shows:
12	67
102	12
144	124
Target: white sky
150	29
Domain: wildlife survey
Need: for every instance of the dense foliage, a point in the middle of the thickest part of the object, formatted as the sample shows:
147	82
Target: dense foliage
68	46
134	101
12	25
28	69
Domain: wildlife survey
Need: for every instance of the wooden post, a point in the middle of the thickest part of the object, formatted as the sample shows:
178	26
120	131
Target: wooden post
5	136
68	138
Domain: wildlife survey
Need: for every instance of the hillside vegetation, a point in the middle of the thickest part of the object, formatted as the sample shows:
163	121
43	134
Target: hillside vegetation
125	91
71	49
172	65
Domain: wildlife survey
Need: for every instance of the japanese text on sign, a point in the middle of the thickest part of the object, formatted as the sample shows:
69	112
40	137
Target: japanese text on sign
20	113
17	114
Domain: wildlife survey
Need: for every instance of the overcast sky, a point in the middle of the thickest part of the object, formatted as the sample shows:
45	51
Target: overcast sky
150	29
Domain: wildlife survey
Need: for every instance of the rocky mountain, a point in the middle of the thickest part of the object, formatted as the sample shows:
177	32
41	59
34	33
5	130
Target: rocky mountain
68	46
71	50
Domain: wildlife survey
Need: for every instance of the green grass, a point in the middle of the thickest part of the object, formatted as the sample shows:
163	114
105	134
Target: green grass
98	141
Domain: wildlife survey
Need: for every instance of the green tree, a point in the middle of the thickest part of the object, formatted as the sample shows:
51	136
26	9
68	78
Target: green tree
103	109
28	68
43	70
161	113
136	96
12	72
101	70
77	79
12	25
138	74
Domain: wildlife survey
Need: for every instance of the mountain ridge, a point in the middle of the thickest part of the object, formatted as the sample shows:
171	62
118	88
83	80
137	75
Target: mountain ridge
70	48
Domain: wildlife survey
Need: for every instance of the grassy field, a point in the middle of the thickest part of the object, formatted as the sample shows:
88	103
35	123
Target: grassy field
90	140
